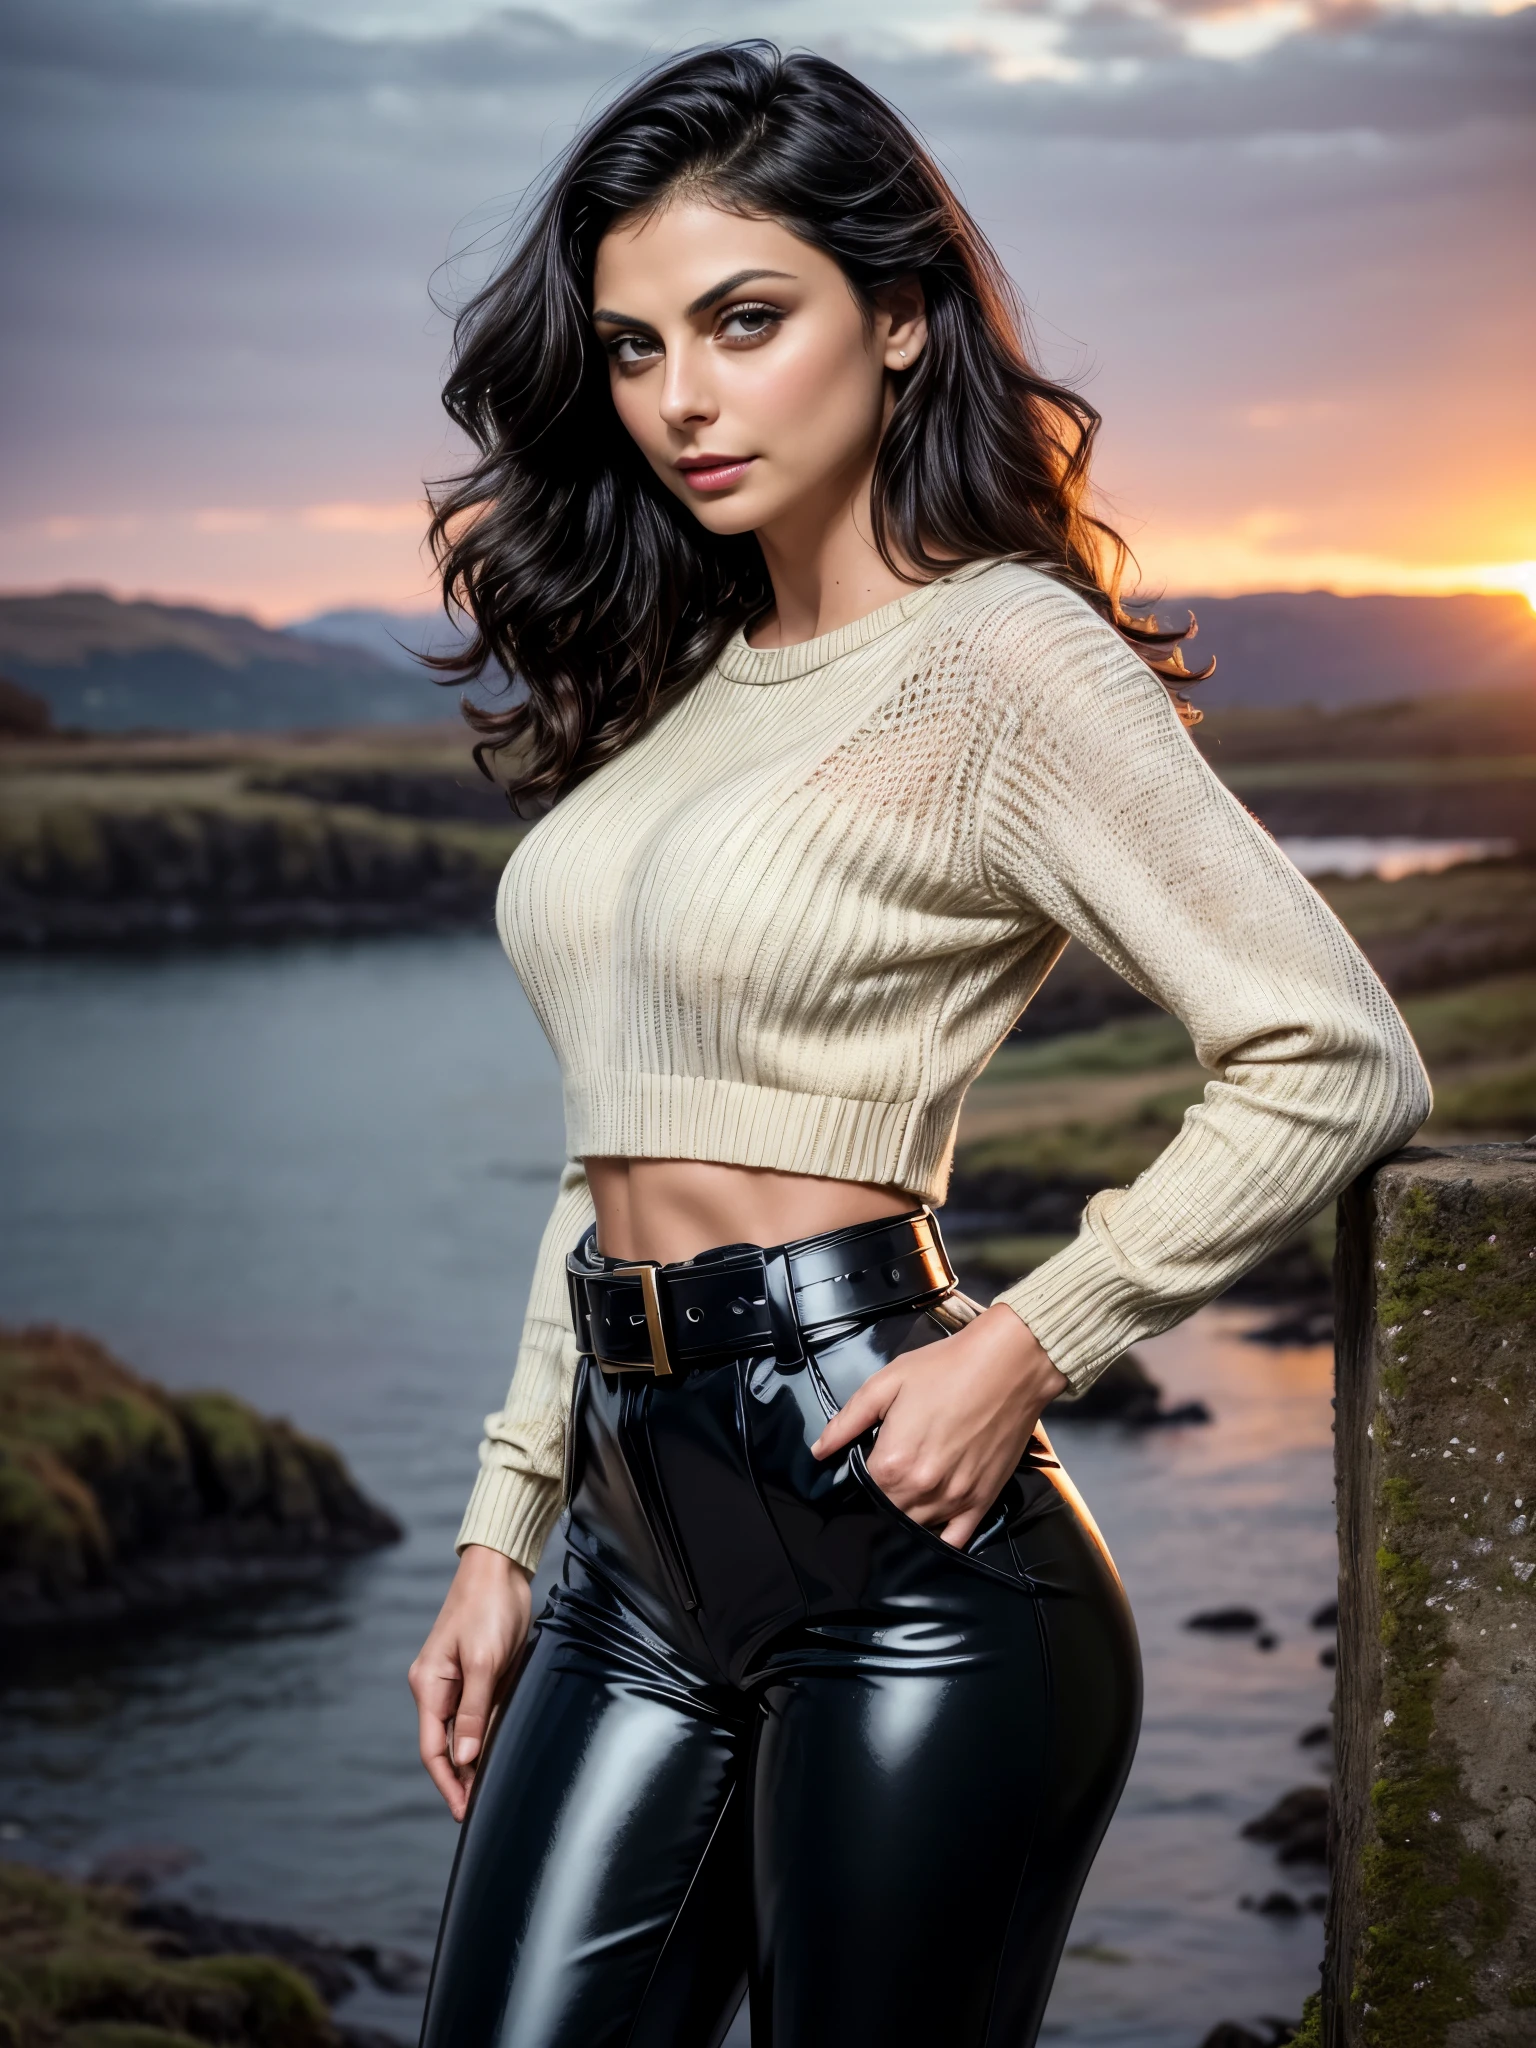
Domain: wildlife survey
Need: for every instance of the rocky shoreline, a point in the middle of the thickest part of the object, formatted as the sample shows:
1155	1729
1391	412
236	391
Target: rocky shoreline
120	1501
96	1965
116	879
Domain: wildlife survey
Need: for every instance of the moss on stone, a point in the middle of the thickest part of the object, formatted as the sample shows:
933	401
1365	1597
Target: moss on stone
1431	1907
50	1523
231	1439
73	1971
1310	2033
1419	1274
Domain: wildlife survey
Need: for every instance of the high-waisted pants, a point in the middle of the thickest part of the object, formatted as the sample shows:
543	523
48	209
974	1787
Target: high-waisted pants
770	1731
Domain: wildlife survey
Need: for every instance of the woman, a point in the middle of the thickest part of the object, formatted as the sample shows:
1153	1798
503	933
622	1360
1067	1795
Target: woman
844	731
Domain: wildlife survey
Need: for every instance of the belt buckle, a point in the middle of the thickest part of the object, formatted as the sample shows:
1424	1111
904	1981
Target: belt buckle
650	1295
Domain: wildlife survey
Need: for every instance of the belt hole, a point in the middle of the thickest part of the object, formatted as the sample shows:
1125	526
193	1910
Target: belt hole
893	1272
694	1315
738	1307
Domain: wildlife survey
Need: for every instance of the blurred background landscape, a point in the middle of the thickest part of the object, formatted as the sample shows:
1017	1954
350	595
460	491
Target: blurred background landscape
279	1130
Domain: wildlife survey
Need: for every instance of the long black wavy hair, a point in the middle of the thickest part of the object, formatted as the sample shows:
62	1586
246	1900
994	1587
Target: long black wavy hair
585	581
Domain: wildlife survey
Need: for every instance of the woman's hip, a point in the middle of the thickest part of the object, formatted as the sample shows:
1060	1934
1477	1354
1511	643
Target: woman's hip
696	1495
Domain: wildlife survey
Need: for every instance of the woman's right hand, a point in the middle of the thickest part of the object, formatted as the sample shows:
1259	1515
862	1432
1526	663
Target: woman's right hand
480	1628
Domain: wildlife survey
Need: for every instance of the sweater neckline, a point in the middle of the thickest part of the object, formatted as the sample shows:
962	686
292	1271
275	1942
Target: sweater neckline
741	663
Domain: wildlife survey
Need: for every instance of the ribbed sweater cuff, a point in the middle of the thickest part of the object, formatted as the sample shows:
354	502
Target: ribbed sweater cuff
1081	1310
512	1512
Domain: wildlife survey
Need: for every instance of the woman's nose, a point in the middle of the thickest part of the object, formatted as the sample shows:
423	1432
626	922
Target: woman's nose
686	400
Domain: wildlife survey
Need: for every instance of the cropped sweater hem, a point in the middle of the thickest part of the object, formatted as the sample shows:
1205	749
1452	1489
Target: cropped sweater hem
736	1123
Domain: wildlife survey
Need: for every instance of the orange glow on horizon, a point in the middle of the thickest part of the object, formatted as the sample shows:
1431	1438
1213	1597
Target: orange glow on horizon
285	563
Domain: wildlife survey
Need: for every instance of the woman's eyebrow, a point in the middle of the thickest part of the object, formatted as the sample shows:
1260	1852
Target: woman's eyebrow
701	304
717	292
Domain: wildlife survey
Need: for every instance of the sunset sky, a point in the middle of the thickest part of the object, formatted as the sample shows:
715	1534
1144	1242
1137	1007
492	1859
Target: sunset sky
1286	248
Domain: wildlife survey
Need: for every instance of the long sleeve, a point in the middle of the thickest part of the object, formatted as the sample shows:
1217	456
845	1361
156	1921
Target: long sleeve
1100	813
517	1498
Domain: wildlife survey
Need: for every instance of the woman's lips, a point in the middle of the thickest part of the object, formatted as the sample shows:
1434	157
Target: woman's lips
715	472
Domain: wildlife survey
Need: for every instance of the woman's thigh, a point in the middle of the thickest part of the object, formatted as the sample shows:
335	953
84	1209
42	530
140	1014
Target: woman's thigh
922	1824
939	1759
893	1807
599	1895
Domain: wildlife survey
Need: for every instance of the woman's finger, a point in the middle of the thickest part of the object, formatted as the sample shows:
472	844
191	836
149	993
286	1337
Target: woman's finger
474	1713
961	1528
861	1411
434	1754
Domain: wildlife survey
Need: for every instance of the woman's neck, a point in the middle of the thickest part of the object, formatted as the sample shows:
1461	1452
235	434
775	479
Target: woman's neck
825	569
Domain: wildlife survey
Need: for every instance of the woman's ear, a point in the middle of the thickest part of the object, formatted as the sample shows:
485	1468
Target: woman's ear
903	313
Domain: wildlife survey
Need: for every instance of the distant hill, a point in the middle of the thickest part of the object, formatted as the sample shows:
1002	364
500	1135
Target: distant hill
1310	647
111	666
1275	648
395	637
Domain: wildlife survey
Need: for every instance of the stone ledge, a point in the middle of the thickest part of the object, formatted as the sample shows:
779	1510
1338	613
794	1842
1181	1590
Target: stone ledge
1432	1924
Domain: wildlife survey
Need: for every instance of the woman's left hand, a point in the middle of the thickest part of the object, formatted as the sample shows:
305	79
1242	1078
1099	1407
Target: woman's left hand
954	1420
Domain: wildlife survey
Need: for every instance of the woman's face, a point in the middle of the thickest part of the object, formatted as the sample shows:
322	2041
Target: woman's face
743	365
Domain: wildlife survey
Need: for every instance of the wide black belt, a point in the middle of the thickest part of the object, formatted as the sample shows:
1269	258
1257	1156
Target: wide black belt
741	1299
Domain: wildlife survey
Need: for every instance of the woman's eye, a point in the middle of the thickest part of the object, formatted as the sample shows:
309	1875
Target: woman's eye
634	348
749	323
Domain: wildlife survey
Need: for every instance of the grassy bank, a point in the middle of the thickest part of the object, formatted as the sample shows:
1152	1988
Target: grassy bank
76	1973
111	841
119	1499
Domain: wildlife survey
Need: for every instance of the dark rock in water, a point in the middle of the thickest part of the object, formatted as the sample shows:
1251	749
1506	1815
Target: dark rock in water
119	1500
1225	1621
175	1929
1316	1736
1293	1275
1187	1412
1328	1658
1266	1639
1303	1325
1296	1825
1228	2034
1123	1392
1278	1905
1126	1392
1327	1616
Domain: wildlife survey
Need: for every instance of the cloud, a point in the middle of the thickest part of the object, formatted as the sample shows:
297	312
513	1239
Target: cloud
1288	277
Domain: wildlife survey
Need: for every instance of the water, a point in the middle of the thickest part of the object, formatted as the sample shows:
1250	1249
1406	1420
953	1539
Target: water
317	1176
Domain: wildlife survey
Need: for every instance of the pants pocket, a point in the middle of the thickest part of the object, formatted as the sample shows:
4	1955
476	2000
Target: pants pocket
839	1372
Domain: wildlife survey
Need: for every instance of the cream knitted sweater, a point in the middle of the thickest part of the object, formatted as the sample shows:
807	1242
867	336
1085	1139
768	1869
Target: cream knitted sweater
790	923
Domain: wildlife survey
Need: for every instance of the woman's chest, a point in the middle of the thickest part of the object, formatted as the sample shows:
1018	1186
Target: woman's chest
770	826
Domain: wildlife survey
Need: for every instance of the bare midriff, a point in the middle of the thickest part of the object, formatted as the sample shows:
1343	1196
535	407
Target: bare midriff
670	1209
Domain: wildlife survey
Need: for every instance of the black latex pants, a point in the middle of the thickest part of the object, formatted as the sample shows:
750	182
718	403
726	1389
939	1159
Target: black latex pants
769	1729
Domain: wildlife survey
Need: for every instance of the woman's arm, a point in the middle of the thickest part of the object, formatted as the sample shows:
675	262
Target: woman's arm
516	1499
1099	812
484	1621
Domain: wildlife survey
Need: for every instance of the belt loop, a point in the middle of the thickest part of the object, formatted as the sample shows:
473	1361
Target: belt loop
788	1344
